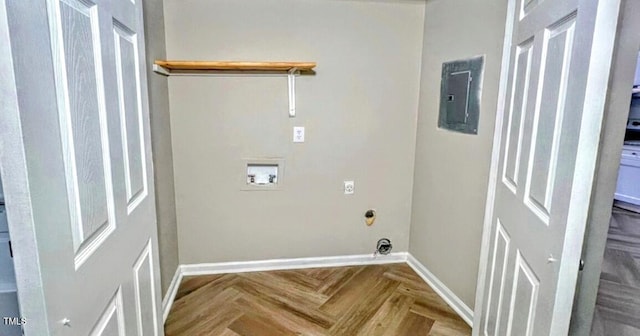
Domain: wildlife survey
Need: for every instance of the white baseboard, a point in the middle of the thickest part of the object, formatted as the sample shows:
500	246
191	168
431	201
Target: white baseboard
168	299
295	263
299	263
445	293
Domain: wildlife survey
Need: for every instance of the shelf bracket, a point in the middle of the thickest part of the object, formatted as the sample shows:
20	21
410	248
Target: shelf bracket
292	91
161	70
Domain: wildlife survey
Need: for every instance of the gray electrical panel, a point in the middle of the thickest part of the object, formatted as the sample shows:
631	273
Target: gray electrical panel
460	95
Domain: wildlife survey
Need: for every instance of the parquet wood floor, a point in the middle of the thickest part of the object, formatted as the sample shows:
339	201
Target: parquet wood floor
618	301
356	300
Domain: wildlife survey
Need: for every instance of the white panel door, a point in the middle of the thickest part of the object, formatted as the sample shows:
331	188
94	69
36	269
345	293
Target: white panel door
84	122
554	83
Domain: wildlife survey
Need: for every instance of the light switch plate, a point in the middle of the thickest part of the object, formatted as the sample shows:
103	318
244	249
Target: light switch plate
298	134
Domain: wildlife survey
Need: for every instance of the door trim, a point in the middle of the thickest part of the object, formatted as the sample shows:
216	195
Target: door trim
17	195
495	160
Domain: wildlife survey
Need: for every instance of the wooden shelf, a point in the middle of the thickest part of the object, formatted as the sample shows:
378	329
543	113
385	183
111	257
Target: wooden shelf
291	69
234	66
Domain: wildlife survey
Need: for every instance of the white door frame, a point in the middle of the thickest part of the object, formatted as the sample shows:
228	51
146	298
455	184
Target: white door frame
16	190
608	157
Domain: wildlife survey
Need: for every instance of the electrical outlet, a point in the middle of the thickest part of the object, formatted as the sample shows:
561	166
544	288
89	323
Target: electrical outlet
349	187
298	134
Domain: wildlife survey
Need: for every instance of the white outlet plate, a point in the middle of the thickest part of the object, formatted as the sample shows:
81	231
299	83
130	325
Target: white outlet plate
349	187
298	134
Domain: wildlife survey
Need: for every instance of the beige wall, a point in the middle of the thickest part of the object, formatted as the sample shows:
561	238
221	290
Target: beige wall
359	111
452	169
161	143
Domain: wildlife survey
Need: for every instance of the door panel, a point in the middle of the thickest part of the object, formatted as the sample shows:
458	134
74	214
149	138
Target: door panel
83	127
144	284
111	321
497	275
544	167
90	178
527	6
518	95
548	116
130	100
524	299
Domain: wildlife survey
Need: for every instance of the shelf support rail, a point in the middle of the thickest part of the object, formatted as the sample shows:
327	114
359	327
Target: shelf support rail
292	91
